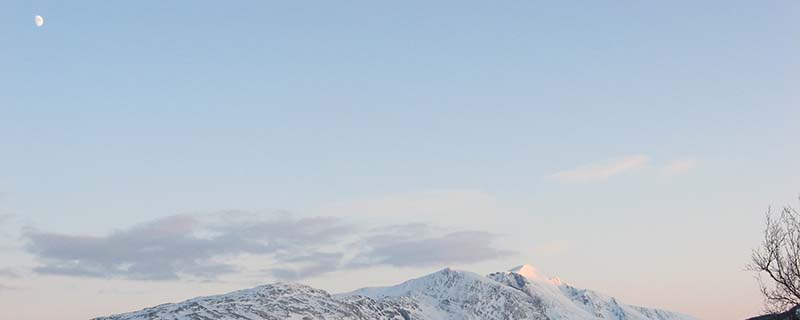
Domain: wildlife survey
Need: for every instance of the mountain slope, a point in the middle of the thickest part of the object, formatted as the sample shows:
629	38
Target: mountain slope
444	295
792	314
523	293
277	301
563	300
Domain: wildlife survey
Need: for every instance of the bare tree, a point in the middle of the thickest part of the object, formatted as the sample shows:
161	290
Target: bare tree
778	258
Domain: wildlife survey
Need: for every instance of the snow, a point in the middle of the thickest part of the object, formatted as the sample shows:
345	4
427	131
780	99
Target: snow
528	271
521	293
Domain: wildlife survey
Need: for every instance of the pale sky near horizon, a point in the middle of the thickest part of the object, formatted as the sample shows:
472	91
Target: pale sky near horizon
153	151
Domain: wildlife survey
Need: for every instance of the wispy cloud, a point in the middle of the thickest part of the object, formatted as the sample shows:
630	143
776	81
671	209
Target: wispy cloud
601	171
9	273
295	266
678	167
201	247
178	246
418	245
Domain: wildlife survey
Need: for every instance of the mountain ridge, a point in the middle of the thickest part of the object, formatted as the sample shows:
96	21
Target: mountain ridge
447	294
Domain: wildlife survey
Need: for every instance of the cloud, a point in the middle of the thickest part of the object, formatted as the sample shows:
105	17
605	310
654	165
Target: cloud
307	265
178	247
678	167
8	273
601	171
415	246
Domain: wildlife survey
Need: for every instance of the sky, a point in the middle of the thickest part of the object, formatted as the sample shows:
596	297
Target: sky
153	151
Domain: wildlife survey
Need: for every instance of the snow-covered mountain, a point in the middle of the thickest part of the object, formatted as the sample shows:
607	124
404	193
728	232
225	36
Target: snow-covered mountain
521	293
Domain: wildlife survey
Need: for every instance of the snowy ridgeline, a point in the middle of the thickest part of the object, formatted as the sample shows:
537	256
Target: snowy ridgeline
521	293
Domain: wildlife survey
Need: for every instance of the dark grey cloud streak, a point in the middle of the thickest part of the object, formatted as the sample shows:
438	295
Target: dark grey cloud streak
412	251
421	245
196	247
8	273
177	246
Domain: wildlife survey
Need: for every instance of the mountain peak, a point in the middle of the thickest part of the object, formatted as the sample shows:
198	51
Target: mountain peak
445	294
528	271
534	274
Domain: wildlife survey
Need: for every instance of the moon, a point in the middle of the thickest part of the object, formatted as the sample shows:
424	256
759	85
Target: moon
38	20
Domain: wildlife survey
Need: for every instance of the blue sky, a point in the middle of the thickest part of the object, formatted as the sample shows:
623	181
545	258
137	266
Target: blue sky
676	121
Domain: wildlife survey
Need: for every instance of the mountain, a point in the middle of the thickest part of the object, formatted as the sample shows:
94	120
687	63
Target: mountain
792	314
521	293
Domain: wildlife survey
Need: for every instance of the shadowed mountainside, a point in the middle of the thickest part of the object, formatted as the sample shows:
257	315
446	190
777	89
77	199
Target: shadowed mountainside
788	315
